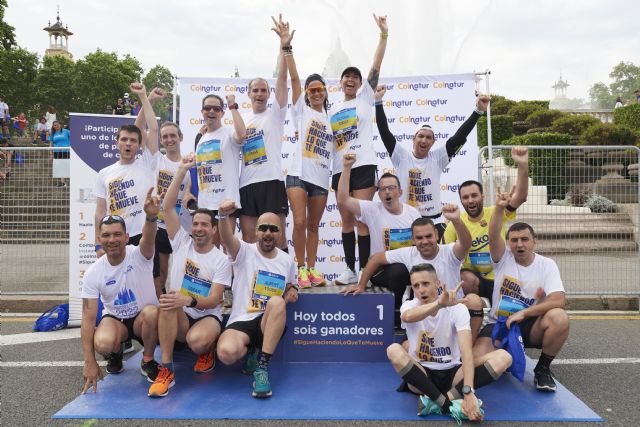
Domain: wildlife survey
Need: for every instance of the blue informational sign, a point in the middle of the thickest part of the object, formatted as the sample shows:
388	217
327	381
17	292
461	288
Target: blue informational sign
338	328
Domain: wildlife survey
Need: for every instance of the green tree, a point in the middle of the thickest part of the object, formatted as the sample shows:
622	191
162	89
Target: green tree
160	76
55	85
7	34
18	69
601	96
626	80
101	78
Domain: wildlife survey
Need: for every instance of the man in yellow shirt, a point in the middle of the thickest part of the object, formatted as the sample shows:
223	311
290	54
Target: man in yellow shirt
477	272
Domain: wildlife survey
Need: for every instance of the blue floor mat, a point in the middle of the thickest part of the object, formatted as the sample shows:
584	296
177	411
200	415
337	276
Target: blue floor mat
325	391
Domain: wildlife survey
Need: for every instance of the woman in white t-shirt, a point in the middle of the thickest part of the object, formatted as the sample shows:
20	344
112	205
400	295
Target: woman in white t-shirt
310	170
352	124
50	116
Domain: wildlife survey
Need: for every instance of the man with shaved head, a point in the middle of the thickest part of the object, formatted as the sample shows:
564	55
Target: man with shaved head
264	281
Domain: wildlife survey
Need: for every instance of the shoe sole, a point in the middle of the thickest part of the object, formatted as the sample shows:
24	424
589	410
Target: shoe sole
545	388
115	372
128	349
204	371
261	395
163	394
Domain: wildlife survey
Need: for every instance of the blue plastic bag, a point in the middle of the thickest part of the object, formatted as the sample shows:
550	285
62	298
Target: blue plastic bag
511	341
54	319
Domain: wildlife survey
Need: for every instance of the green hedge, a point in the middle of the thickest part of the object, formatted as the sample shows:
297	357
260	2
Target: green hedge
541	104
522	110
608	134
546	167
500	105
501	129
628	116
573	124
543	118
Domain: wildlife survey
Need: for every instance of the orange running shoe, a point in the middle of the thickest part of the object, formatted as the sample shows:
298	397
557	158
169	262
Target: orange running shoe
164	381
205	363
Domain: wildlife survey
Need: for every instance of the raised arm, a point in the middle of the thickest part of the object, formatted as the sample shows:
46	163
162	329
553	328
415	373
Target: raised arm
238	123
91	371
461	247
520	156
150	227
171	219
350	203
281	80
387	137
460	137
149	116
282	30
422	311
497	244
226	227
374	73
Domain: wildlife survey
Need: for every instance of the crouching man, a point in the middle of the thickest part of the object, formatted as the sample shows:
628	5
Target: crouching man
439	336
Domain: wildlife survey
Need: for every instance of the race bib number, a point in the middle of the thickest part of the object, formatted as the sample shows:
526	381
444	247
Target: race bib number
195	287
254	151
399	238
480	258
343	123
265	286
509	305
209	153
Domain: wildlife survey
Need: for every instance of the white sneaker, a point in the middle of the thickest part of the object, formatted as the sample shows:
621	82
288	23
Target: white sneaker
348	277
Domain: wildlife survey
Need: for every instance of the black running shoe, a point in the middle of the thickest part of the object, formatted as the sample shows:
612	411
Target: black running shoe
114	362
128	346
149	369
543	379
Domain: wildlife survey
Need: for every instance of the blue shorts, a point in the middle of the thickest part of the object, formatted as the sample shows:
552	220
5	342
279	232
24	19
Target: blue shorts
311	189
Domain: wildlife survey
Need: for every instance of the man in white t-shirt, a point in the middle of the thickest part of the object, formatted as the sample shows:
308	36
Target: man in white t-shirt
191	312
264	281
123	280
445	258
439	364
262	187
120	188
217	154
528	291
4	111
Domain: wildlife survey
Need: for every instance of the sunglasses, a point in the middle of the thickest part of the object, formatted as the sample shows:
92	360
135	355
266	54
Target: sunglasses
112	219
215	108
270	227
315	90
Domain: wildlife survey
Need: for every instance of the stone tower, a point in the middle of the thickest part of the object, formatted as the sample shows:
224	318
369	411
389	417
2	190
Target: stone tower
58	39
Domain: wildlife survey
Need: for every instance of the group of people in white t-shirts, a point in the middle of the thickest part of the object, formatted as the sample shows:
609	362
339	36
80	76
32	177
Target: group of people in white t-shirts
137	222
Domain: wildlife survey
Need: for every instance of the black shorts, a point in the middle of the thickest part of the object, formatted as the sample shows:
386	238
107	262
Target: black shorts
251	328
266	196
61	155
128	323
525	329
486	286
361	177
442	378
179	345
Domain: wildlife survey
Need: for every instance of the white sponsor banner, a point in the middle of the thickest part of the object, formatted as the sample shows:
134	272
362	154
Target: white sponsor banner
443	102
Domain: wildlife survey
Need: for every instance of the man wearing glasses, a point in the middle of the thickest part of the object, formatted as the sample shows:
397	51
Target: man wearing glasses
191	312
419	170
123	279
217	154
389	222
264	282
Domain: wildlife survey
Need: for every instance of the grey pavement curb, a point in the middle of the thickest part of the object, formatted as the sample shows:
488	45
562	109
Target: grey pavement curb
41	303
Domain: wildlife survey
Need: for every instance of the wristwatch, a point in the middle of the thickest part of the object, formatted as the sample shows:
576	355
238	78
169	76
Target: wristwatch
467	390
194	302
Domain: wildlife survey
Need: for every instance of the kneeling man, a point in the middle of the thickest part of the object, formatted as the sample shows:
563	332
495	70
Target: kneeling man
123	279
191	313
439	336
528	291
264	282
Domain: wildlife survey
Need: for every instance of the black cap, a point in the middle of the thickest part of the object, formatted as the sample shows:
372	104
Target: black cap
353	70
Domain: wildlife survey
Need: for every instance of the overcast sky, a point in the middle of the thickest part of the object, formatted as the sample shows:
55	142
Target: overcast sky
525	45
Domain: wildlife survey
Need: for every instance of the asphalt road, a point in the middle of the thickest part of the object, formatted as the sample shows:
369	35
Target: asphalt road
31	395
